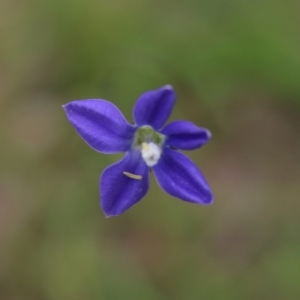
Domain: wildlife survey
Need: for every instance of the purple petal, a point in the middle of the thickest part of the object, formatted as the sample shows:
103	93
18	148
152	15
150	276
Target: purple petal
186	135
118	191
180	177
101	124
154	107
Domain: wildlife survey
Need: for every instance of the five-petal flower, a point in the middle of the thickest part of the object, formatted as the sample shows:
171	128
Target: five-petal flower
147	145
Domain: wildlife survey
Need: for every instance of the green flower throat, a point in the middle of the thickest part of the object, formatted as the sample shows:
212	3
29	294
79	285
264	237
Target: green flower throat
146	134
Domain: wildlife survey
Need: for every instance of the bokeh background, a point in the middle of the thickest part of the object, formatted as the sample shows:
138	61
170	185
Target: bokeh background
235	66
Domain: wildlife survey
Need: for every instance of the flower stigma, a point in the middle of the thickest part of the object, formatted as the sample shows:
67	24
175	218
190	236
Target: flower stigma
151	153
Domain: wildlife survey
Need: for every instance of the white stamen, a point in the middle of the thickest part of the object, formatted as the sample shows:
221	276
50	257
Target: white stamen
133	176
151	153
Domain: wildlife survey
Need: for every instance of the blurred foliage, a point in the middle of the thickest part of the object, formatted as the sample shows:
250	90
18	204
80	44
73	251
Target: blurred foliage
235	66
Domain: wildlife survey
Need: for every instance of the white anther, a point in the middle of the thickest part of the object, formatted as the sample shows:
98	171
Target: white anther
133	176
151	153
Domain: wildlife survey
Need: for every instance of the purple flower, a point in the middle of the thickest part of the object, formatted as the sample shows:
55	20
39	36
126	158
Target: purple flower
147	145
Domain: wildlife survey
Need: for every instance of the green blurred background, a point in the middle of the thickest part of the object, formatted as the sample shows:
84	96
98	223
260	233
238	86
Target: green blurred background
235	66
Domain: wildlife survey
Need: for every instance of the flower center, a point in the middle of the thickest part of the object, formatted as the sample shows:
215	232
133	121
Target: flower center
150	144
